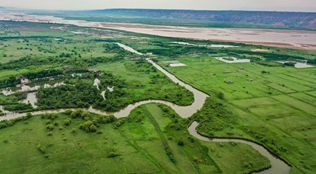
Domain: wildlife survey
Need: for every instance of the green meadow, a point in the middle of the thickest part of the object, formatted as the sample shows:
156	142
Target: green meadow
262	101
276	108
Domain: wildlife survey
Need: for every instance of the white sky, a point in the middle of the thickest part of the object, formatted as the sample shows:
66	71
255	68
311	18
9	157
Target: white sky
269	5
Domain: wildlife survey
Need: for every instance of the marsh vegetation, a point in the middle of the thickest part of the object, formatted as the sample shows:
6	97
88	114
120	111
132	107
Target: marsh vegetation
262	101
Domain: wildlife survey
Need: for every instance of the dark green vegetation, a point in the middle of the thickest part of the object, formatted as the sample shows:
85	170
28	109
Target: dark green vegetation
153	139
268	103
75	54
224	19
126	92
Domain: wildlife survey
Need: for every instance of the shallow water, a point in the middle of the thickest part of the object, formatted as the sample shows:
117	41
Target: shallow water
26	88
111	89
303	65
183	111
212	45
103	94
96	83
31	98
177	64
274	37
277	165
127	48
233	61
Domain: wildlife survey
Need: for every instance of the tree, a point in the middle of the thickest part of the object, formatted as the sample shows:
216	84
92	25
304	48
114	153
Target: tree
220	95
181	142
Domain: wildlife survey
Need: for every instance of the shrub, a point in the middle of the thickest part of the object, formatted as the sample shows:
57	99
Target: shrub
67	122
112	155
40	148
50	127
28	115
220	95
180	142
120	123
76	113
68	112
88	126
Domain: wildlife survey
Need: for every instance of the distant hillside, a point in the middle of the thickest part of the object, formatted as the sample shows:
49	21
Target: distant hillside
303	20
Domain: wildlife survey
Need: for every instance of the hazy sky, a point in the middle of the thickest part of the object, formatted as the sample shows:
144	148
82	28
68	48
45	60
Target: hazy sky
270	5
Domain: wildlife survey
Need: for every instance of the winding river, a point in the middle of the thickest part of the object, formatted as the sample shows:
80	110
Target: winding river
278	166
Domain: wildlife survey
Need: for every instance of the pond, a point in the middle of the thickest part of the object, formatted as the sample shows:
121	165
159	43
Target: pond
232	60
31	98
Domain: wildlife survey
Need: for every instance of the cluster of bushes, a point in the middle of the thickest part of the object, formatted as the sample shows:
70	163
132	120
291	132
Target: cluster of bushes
43	74
82	95
91	122
214	116
18	107
8	123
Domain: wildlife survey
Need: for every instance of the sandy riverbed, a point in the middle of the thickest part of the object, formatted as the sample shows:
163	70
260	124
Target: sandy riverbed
271	37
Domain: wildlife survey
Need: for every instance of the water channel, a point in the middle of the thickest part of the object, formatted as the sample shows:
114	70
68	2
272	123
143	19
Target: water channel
278	166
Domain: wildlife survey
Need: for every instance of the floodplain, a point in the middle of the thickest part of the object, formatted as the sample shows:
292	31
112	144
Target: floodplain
261	101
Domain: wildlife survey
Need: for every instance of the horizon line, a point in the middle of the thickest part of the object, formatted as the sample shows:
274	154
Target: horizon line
167	9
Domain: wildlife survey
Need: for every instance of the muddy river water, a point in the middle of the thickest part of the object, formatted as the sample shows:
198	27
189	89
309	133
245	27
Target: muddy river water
272	37
278	166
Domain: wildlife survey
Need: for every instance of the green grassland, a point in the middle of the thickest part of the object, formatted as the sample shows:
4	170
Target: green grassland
271	105
144	142
276	108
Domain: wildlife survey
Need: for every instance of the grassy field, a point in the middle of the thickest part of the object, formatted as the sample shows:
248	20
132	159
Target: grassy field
137	146
226	154
274	106
278	106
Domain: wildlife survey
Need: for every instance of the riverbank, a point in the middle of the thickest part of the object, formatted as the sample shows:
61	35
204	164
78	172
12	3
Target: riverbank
184	112
297	39
278	165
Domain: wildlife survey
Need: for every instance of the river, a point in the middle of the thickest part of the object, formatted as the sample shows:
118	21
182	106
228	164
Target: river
272	37
278	166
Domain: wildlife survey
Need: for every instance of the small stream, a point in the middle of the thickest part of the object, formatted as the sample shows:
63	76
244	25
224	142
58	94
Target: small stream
278	166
